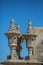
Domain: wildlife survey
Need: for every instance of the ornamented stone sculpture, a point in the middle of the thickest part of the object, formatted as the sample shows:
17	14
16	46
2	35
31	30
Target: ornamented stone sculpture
30	36
15	40
12	35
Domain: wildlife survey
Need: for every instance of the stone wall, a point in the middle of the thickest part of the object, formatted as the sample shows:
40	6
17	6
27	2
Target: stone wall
9	63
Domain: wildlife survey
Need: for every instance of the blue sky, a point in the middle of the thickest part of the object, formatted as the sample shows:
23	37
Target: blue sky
21	11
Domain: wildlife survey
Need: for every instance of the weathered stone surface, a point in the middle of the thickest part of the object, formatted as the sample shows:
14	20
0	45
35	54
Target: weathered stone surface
34	43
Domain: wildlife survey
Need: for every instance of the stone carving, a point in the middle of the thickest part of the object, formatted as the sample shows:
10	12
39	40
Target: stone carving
15	40
34	42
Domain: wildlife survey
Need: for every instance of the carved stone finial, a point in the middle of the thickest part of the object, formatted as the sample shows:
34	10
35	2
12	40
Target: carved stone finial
12	24
18	27
29	26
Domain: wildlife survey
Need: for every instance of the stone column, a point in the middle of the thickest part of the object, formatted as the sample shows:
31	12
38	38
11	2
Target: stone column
12	53
18	51
30	47
30	51
13	45
19	46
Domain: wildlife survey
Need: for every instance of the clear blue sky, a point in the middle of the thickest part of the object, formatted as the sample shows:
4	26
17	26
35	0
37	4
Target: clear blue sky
21	11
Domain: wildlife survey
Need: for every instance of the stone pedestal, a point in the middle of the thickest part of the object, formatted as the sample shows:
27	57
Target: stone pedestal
21	62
